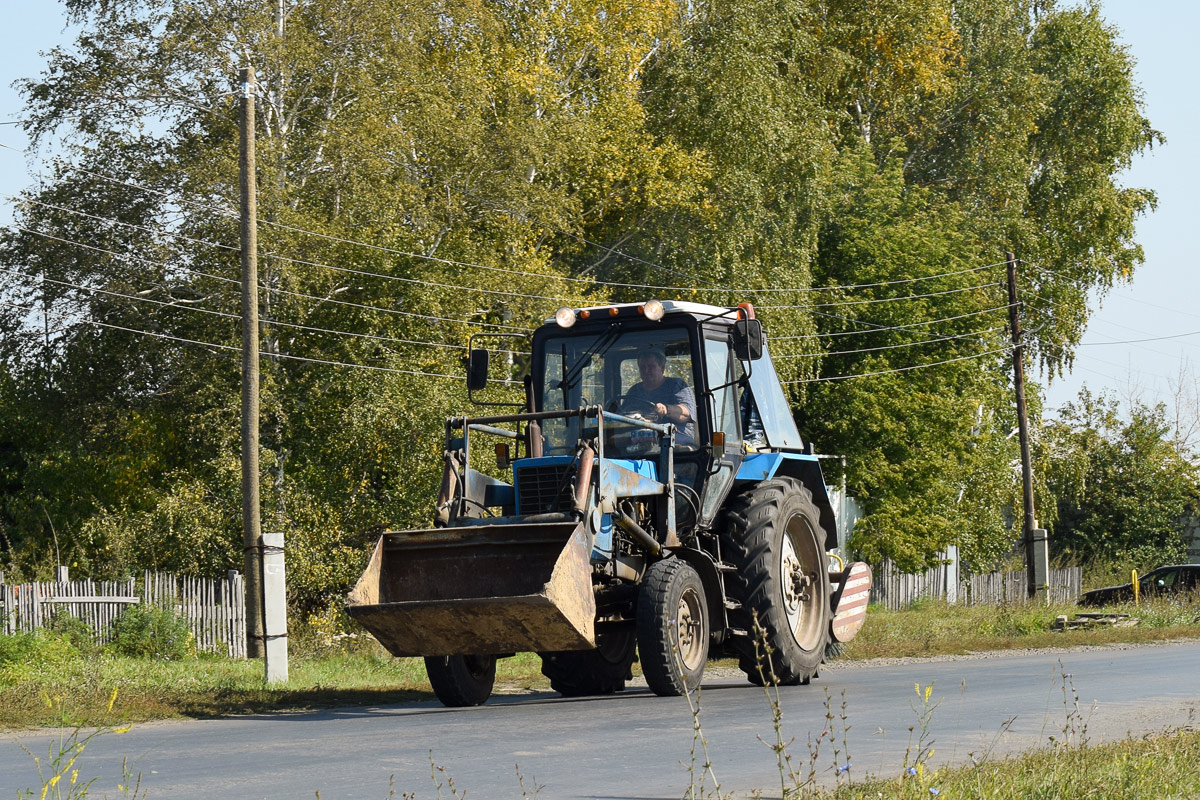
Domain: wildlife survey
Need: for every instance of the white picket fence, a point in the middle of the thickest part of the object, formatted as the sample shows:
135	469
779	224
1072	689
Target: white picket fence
895	590
215	610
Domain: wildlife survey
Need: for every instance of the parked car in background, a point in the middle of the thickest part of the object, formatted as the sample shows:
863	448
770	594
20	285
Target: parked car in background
1175	579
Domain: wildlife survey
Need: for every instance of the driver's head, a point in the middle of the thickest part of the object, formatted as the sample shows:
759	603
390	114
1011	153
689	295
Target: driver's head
650	368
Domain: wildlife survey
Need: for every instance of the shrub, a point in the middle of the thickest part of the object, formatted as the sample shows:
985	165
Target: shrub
25	655
153	632
77	632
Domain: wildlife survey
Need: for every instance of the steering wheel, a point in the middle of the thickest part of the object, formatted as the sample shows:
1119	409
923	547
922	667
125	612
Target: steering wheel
651	408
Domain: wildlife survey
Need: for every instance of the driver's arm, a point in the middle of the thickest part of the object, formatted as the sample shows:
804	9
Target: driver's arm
676	412
681	411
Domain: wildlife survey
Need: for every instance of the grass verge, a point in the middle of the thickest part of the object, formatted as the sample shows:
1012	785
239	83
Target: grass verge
1153	768
360	673
936	628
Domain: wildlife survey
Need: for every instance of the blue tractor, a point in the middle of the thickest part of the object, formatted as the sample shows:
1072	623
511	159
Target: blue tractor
651	499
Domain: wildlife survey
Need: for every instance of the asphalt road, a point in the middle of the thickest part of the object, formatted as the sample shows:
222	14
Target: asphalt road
636	745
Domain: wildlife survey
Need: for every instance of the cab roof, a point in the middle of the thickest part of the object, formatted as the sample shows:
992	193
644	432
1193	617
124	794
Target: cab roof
669	307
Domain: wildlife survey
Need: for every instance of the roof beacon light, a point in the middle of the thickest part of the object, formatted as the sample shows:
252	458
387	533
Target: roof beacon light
653	309
565	317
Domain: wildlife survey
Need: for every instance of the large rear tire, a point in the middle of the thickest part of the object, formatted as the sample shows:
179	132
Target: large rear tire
461	680
578	673
773	535
672	627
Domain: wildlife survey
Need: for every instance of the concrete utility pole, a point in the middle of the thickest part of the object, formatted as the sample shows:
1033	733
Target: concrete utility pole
1037	566
251	522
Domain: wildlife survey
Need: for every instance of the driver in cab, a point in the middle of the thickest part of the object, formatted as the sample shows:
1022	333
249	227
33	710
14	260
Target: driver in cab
670	399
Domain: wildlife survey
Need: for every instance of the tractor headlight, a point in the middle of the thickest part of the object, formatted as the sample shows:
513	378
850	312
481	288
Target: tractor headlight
653	310
565	317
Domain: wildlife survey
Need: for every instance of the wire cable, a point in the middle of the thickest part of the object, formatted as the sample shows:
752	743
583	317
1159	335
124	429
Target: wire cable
590	282
261	353
279	291
899	369
125	256
110	293
831	353
122	223
883	328
878	299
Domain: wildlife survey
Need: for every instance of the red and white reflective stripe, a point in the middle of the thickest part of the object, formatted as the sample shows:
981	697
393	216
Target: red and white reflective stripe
852	607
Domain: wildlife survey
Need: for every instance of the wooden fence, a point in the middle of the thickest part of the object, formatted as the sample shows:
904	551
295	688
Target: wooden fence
214	609
895	590
995	588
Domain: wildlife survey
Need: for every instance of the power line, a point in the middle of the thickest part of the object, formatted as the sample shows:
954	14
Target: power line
184	305
280	291
126	256
883	328
590	282
879	299
350	270
830	353
1138	341
1135	342
418	281
900	369
1087	286
896	282
225	212
330	299
262	353
109	293
122	223
418	342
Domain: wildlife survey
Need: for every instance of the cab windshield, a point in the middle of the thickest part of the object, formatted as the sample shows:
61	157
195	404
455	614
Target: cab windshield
627	372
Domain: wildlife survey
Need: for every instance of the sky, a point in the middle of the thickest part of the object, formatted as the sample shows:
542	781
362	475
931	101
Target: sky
1159	304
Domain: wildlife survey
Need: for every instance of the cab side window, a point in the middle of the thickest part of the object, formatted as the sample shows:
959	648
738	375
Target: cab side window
723	368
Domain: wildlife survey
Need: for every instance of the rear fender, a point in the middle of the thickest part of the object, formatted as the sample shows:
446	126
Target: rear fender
759	467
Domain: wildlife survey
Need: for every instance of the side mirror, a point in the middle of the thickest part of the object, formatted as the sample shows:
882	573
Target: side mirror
748	339
477	370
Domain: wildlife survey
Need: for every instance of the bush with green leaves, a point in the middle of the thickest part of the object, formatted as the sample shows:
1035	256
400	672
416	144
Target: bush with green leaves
26	655
77	632
153	632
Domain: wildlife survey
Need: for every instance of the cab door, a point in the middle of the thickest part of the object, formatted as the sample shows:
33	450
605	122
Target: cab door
722	373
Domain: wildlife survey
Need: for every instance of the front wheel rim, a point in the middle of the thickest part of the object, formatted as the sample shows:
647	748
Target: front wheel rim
690	630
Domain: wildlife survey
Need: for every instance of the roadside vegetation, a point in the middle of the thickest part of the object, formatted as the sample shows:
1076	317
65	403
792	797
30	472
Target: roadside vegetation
158	674
1152	768
1162	765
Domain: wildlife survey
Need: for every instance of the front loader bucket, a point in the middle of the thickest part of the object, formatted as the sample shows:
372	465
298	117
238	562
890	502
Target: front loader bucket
479	590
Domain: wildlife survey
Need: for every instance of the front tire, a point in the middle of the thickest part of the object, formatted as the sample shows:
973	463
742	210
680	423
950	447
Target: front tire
672	627
773	536
461	680
578	673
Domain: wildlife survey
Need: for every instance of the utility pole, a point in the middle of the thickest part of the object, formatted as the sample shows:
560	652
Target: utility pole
251	522
1036	545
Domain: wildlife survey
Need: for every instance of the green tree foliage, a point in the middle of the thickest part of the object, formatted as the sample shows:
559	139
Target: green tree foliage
1124	486
428	171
